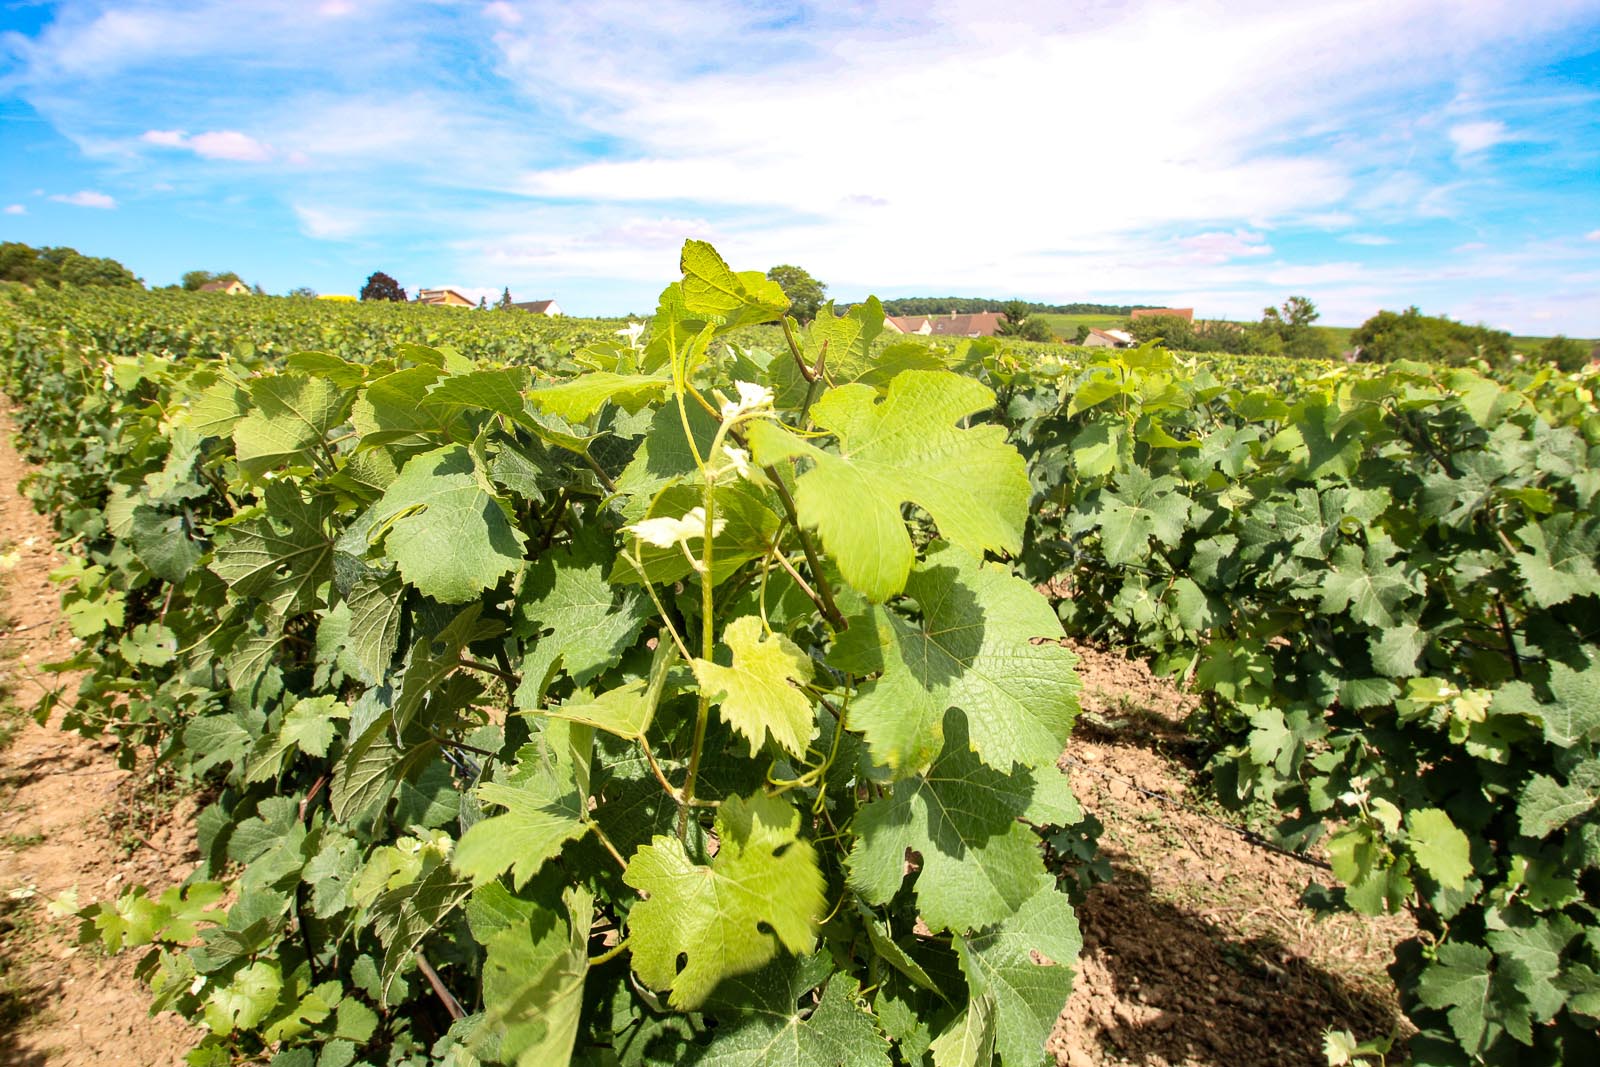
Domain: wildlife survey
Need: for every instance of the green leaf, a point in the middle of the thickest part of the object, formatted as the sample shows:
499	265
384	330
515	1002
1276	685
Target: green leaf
771	1030
533	976
542	815
1365	583
246	1000
1395	650
279	551
973	648
1562	564
1547	804
578	399
712	290
1439	847
760	693
1025	963
1459	981
979	863
568	609
376	603
1574	715
1141	507
450	538
291	417
969	1041
910	447
763	878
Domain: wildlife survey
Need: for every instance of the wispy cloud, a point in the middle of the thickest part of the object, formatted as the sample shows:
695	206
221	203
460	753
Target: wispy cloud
1473	137
86	198
1592	235
215	144
886	144
16	209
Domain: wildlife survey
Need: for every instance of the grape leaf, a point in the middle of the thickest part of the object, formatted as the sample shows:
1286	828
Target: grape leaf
910	447
1025	963
569	610
533	976
763	877
542	814
969	1041
278	551
973	648
712	290
1365	583
1439	847
979	864
770	1030
1562	563
292	416
450	538
1574	715
1141	507
1459	981
759	695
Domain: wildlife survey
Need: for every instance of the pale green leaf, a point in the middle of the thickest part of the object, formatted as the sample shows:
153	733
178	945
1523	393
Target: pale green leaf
763	878
1439	847
1025	963
910	447
976	647
760	693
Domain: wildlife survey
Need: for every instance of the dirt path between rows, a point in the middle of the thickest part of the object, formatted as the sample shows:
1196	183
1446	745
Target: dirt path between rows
65	824
1197	952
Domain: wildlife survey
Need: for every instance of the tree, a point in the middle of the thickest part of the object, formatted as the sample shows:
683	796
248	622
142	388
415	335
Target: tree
504	303
96	270
53	266
483	303
1410	334
303	292
1020	324
1564	352
1016	313
382	287
194	279
1292	325
805	293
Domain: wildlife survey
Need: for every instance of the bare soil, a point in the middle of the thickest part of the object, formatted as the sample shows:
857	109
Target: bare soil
1197	953
68	820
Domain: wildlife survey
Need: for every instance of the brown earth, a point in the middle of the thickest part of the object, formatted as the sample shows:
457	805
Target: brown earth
69	819
1197	953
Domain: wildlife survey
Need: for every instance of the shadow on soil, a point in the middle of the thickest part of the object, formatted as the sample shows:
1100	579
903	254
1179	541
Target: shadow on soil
19	1000
1172	988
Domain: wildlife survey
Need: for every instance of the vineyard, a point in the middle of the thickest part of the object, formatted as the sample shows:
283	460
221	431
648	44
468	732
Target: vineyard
564	694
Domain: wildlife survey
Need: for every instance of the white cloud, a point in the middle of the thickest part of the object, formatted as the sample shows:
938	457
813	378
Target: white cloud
1592	235
502	12
1220	247
86	198
1373	240
16	209
230	144
1473	137
214	144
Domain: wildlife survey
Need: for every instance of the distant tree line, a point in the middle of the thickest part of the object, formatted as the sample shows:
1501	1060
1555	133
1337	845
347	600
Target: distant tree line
1410	334
969	305
61	266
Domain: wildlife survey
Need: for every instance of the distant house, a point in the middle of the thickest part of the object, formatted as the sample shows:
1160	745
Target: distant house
1109	339
443	298
979	324
540	307
1186	314
233	287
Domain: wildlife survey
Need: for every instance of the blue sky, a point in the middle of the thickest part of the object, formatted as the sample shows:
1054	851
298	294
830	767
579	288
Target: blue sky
1366	153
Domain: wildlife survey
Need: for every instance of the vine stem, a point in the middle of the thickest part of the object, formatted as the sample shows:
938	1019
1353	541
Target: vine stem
707	648
450	1003
609	954
824	591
